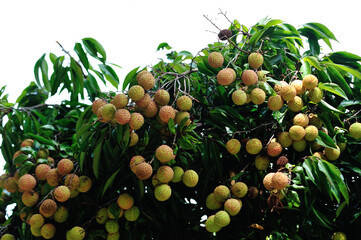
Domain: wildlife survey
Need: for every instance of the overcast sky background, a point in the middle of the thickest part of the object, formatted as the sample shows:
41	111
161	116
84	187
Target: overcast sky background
130	31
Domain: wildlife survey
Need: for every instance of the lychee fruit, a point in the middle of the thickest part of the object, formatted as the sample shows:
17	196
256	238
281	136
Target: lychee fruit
261	76
179	116
298	85
224	34
249	77
85	183
102	216
275	103
143	171
111	226
132	214
296	104
43	154
255	60
253	192
267	181
17	154
261	162
332	154
215	59
76	233
315	120
48	208
151	110
166	113
122	116
211	226
97	104
27	182
355	130
315	95
253	146
106	113
212	203
239	97
285	139
239	189
164	153
41	171
116	210
35	231
10	185
136	93
301	119
165	174
232	206
48	231
297	132
27	143
319	155
258	96
146	80
72	181
120	101
278	86
288	92
29	198
65	166
282	161
144	102
125	201
221	193
274	149
190	178
339	236
162	97
136	121
226	76
311	133
310	81
178	174
162	192
184	103
36	220
134	138
279	180
221	218
135	161
233	146
62	193
299	145
61	214
53	177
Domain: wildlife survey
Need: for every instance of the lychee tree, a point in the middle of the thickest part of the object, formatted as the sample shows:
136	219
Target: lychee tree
253	137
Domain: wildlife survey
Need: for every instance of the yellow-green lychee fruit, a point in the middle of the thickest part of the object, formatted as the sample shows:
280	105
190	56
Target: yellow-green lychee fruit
162	192
145	79
135	161
226	76
184	103
151	110
249	99
132	214
74	193
315	120
48	231
258	96
125	201
301	119
296	104
232	206
355	130
118	211
249	77
65	166
255	60
162	97
72	181
288	92
332	154
107	112
48	208
253	146
122	116
221	193
267	181
165	174
211	226
299	145
339	236
179	116
10	185
76	233
27	182
27	143
315	95
36	220
261	162
35	231
311	133
136	121
239	189
319	155
215	59
239	97
144	102
178	174
212	203
166	113
297	132
221	218
275	103
233	146
190	178
62	193
120	101
43	154
102	216
262	76
29	198
280	180
7	236
97	104
61	214
274	149
144	171
310	81
298	85
41	170
136	93
113	236
164	153
278	86
85	183
112	226
285	139
134	138
53	177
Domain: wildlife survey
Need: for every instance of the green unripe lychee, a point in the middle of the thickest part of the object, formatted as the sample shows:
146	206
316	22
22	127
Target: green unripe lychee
98	103
113	236
10	185
288	92
120	101
162	97
355	130
162	192
132	214
184	103
178	174
145	79
299	145
226	76
267	181
285	139
249	77
212	203
61	214
34	231
76	233
102	216
221	218
165	174
8	236
125	201
315	95
261	162
112	226
107	112
232	206
85	183
275	103
255	60
301	119
136	121
332	154
179	116
134	138
296	104
36	221
233	146
253	146
297	132
211	226
190	178
221	193
29	198
239	97
310	81
311	133
136	92
48	231
279	180
258	96
164	153
215	59
239	189
339	236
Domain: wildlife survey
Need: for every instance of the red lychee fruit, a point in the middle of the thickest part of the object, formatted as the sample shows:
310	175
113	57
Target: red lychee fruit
27	182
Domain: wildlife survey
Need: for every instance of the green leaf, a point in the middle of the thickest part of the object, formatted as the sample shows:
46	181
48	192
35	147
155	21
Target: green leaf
327	107
352	71
185	143
96	158
203	69
337	77
94	48
131	76
321	30
313	62
338	179
82	55
171	126
110	74
324	140
343	56
305	68
333	88
163	45
110	181
267	88
42	139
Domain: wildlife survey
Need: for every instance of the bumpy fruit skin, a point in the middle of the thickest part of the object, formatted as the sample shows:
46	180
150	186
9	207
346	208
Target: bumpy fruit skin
65	166
339	236
135	161
62	193
332	154
190	178
107	112
162	97
122	116
29	198
165	174
36	220
35	231
125	201
315	95
221	193
288	92
120	101
255	60
97	104
48	208
239	97
61	214
112	226
311	133
297	132
301	119
162	192
215	59
278	86
233	146
10	185
27	143
136	121
132	214
102	216
261	162
166	113
211	226
239	189
310	81
144	102
8	236
281	161
42	153
267	181
27	182
184	103
144	171
179	116
249	77
296	104
113	236
355	130
262	76
258	96
298	85
151	110
145	79
285	139
226	76
136	92
221	218
212	203
85	183
232	206
41	170
72	181
164	153
274	149
224	34
253	146
134	138
299	145
178	174
76	233
279	180
275	103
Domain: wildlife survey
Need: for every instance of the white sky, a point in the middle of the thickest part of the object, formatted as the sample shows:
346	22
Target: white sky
130	31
